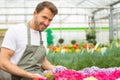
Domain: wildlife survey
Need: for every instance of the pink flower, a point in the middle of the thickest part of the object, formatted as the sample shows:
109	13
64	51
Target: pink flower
101	76
69	75
114	75
86	75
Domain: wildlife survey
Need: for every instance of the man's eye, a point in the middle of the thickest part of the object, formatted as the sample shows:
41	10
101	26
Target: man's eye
44	17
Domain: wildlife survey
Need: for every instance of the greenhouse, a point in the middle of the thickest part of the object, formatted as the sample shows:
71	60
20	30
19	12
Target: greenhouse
84	37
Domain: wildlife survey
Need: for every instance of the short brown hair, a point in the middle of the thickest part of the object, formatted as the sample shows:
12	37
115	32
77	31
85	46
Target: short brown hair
47	4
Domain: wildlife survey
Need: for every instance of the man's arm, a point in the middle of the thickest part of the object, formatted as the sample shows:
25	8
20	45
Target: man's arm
8	66
47	65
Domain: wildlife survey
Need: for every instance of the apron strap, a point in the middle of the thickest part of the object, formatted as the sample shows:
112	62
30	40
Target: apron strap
41	42
29	35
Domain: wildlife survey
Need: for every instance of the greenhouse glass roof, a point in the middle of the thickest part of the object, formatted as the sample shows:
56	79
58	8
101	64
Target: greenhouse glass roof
71	12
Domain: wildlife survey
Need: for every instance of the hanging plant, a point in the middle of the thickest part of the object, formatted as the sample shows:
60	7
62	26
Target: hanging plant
91	36
61	41
73	42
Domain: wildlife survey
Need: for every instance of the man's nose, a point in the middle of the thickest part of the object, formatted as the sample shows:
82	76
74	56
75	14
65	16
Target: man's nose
47	22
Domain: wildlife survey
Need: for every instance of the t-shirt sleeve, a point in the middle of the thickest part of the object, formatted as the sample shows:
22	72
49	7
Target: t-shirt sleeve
9	40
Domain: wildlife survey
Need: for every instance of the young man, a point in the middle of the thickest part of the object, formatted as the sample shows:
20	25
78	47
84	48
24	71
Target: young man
22	51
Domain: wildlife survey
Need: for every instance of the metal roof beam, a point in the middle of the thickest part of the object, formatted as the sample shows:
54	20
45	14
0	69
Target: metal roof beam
115	3
97	10
59	7
80	2
106	5
32	14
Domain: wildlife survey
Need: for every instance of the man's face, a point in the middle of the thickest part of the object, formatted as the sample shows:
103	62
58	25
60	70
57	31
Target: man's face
43	19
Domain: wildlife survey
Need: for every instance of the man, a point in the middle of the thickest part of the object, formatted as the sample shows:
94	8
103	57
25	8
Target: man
22	51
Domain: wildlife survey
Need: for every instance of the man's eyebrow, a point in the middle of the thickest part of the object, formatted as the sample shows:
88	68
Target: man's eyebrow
47	18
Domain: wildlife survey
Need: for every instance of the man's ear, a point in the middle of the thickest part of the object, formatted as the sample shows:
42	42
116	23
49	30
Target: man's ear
35	12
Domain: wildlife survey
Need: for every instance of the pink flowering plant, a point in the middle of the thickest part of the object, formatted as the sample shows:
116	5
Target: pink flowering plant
101	74
93	73
69	75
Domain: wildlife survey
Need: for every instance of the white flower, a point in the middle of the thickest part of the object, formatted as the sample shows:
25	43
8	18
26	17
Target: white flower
118	79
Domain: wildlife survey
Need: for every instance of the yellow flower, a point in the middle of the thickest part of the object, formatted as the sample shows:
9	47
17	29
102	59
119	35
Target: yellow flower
67	50
58	50
77	50
90	78
98	49
48	75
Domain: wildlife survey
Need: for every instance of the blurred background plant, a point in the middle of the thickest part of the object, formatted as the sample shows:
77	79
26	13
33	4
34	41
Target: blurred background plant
91	36
86	59
61	41
73	42
49	37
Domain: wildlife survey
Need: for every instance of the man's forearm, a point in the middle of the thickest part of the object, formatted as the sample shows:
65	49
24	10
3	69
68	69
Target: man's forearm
14	69
47	65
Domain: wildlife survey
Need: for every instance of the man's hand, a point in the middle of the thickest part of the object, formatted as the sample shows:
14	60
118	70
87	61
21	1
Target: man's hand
38	77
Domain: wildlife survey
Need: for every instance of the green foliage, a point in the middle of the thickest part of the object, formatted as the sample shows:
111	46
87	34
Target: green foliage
73	42
49	36
91	36
61	40
80	61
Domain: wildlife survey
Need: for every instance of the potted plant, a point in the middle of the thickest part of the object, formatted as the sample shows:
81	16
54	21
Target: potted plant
61	41
91	36
73	42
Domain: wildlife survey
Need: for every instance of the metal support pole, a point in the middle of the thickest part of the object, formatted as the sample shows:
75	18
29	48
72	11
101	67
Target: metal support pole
111	37
25	16
93	22
60	26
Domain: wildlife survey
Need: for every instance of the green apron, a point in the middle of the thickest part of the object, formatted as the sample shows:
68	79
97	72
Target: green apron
32	58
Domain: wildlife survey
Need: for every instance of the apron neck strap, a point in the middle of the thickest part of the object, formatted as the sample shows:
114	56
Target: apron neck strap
41	42
29	35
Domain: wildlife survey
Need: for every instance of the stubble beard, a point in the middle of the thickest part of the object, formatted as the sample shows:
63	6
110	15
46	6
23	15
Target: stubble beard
37	25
